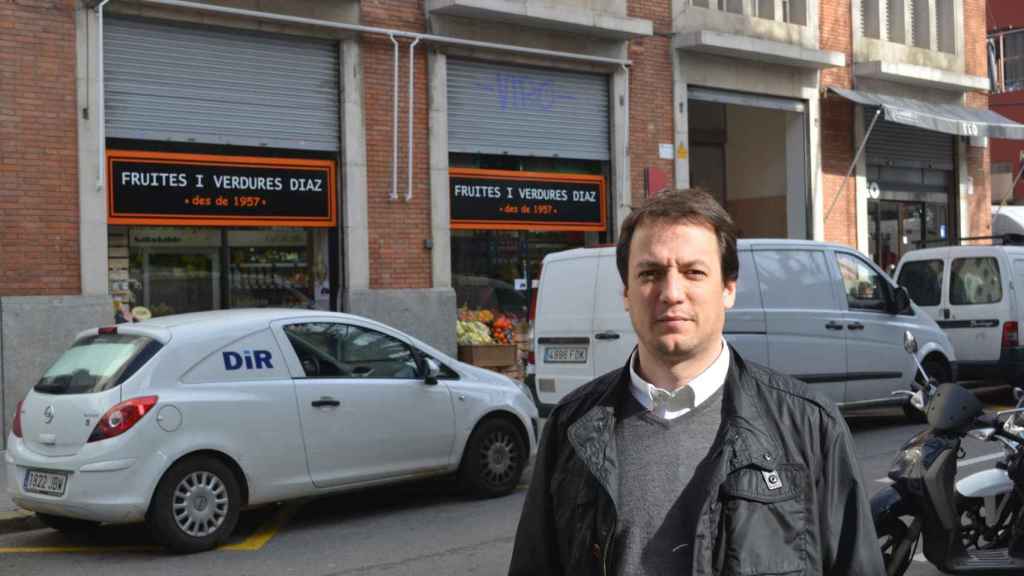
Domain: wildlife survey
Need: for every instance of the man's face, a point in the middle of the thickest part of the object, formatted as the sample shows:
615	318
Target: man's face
675	294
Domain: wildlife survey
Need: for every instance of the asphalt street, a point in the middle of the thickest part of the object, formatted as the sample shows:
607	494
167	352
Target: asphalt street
423	528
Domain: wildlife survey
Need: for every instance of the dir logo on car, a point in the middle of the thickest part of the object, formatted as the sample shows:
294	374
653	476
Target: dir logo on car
249	359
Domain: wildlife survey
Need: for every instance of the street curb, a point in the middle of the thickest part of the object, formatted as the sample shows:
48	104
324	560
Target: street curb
19	521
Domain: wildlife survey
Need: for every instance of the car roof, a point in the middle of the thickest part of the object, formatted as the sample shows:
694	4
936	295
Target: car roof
741	244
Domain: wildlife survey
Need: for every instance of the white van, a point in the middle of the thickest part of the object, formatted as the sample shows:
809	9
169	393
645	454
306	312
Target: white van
976	294
820	312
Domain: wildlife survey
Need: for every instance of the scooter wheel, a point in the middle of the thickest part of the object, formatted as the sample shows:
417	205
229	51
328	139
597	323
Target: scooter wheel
891	533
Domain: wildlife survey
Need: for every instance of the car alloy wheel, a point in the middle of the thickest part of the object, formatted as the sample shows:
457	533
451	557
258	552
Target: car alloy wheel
200	504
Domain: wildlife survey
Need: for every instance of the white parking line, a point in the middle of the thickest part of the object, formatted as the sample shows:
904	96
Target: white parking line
960	464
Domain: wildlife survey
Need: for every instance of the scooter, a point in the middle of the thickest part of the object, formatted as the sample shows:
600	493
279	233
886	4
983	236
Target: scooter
988	502
924	491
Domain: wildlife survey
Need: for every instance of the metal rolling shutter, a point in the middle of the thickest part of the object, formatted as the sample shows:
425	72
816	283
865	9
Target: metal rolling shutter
499	109
191	83
892	144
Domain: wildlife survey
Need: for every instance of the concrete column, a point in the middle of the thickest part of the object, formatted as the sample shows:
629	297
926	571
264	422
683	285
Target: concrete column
92	194
797	175
814	144
680	119
440	200
620	187
355	233
861	181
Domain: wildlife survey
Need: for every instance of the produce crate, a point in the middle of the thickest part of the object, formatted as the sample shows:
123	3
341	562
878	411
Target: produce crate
488	355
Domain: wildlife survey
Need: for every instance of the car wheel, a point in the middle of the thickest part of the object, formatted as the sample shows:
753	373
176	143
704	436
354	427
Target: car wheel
65	524
494	459
195	506
891	532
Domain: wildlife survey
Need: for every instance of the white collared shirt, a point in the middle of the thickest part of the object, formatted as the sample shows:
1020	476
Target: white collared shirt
702	386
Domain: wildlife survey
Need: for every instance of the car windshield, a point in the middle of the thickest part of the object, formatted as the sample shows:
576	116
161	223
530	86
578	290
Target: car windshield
97	363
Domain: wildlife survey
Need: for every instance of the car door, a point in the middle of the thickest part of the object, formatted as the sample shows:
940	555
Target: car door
802	320
978	303
876	363
365	409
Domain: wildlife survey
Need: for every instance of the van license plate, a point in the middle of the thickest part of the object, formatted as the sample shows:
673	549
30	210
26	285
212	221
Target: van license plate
573	355
45	482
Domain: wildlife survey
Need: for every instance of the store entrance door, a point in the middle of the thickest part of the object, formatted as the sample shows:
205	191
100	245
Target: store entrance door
178	281
897	227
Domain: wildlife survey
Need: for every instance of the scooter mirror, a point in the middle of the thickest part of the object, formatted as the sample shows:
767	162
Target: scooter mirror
1018	394
909	342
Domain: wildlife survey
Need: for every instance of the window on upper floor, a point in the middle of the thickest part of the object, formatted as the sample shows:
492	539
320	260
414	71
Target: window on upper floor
1009	60
789	11
926	24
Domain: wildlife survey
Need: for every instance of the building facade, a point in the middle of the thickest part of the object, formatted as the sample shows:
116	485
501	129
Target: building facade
1006	52
401	159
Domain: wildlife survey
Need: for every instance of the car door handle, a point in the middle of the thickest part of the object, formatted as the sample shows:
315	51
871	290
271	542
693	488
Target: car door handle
855	326
606	336
833	325
326	401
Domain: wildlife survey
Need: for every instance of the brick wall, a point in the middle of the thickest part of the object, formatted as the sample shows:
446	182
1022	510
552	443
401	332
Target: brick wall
978	159
38	149
836	127
650	94
397	228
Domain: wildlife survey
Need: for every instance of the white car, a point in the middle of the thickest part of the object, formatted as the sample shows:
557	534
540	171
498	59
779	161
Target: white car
182	421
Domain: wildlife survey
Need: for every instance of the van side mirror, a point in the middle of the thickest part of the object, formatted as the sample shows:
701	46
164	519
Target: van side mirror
900	301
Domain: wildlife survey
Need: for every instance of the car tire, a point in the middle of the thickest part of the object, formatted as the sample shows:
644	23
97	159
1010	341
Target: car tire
195	506
494	459
65	524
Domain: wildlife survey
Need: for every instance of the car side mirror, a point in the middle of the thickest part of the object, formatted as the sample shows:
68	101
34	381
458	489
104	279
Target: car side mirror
432	370
900	302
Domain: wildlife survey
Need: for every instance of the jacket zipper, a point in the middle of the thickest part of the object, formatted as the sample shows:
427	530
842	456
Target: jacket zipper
607	548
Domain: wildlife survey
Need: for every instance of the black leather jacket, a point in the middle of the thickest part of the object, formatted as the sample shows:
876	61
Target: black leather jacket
786	498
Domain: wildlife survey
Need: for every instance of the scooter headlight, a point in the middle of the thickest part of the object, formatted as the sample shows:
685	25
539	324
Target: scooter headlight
907	461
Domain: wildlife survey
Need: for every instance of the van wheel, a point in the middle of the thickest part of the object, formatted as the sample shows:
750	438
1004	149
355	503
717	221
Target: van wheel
65	524
493	460
195	506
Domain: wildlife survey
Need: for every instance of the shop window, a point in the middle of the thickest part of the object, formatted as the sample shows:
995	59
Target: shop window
1013	61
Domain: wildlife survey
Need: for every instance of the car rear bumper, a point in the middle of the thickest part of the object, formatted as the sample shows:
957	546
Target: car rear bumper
101	488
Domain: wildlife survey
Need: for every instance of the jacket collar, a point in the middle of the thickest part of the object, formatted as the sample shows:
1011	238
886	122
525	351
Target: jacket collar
744	434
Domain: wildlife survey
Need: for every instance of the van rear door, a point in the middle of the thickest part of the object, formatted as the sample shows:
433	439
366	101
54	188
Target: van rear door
565	308
978	300
614	337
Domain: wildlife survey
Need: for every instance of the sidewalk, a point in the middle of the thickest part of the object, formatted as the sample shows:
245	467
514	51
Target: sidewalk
12	518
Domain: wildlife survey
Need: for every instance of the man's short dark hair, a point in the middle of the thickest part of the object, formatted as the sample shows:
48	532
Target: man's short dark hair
690	206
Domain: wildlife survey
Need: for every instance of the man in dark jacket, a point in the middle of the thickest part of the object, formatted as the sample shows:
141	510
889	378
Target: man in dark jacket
690	460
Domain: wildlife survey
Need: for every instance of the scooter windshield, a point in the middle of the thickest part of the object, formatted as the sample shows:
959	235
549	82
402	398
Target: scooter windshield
953	409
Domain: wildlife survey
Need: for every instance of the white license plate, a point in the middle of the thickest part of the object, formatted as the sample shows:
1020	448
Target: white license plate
51	483
574	355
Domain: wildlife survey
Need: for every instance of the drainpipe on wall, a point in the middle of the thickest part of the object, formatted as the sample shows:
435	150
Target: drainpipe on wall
394	125
409	148
101	126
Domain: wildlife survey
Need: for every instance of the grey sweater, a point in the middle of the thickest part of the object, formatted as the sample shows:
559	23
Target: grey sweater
663	478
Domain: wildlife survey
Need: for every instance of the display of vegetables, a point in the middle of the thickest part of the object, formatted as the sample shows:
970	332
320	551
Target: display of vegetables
483	327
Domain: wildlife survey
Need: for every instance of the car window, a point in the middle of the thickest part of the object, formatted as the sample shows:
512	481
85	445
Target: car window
330	350
794	279
923	281
863	285
97	363
975	281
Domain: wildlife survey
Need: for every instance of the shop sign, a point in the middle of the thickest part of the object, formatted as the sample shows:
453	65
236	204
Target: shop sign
512	200
175	189
171	236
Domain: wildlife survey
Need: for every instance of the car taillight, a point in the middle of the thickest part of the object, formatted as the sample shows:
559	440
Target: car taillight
16	426
122	417
1011	339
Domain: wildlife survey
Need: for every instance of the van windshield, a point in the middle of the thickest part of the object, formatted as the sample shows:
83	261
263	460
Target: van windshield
97	363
